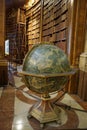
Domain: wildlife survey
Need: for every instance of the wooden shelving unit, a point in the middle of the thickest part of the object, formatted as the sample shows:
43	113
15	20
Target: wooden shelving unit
33	16
16	33
53	24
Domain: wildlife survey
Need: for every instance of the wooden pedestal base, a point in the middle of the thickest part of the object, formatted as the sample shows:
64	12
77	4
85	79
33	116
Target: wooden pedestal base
45	112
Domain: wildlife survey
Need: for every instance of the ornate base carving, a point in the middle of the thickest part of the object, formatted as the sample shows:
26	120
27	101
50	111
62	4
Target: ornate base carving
45	111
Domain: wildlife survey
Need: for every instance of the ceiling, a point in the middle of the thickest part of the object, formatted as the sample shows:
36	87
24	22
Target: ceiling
15	3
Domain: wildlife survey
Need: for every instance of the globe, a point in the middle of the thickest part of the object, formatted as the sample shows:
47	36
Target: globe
42	65
46	69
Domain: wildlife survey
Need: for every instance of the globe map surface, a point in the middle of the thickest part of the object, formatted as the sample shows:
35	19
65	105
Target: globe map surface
45	59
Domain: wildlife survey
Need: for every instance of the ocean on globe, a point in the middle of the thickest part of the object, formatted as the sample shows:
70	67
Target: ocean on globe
45	59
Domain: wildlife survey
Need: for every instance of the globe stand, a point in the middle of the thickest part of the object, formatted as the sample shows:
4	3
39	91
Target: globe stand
45	111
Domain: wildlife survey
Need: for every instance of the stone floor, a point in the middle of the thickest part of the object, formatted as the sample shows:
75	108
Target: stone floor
16	101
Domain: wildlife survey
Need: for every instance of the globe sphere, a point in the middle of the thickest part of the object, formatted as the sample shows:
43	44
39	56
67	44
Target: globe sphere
41	60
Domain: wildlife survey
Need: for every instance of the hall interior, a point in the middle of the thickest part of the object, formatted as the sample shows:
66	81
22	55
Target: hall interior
25	24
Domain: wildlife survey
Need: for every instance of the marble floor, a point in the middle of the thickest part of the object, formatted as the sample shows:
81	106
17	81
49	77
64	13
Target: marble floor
16	101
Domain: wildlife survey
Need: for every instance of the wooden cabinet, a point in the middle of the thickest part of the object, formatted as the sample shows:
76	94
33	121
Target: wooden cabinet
3	73
82	88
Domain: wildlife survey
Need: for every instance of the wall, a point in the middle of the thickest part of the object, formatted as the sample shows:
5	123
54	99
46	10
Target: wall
2	30
3	62
85	48
77	37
